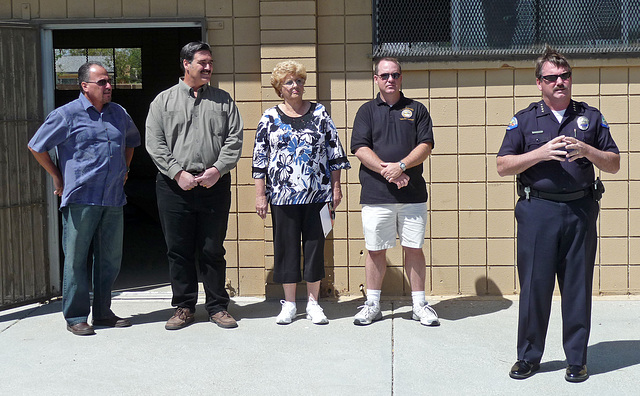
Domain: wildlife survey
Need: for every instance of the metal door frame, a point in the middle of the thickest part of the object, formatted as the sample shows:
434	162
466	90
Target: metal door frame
48	87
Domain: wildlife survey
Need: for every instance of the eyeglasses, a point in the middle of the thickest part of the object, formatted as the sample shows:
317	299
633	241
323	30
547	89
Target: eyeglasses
385	76
100	83
554	77
298	81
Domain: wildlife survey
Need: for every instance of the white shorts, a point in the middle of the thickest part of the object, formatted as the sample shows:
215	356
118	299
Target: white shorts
381	223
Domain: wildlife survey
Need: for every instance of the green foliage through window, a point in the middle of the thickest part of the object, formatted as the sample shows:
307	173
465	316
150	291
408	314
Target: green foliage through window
124	66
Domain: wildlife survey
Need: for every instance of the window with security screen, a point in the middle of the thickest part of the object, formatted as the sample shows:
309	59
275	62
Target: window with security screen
470	29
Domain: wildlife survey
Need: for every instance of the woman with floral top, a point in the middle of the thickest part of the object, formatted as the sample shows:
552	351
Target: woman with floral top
297	158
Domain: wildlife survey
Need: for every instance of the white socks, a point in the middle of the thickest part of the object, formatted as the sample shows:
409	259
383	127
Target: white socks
418	297
374	296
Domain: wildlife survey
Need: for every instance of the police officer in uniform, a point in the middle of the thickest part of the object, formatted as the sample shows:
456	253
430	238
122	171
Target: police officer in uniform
552	146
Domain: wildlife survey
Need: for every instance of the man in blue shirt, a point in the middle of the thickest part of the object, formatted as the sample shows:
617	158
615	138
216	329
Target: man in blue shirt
553	146
94	140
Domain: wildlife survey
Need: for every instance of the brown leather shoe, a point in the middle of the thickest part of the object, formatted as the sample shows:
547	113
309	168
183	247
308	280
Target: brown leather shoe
113	321
224	319
82	328
183	317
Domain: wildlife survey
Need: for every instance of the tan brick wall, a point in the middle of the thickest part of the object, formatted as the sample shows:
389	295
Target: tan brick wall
470	243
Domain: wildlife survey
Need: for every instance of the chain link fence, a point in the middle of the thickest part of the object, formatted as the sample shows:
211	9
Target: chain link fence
457	29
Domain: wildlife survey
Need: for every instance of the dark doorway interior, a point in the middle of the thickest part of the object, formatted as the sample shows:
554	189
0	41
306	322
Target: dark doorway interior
144	263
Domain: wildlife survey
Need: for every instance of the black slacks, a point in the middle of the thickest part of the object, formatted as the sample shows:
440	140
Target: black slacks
291	224
194	223
555	239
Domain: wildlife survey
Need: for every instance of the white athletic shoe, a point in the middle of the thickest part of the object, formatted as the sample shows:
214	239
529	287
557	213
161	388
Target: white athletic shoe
425	314
369	313
315	313
288	312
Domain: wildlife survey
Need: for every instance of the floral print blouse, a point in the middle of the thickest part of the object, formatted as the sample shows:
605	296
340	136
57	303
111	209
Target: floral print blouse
297	156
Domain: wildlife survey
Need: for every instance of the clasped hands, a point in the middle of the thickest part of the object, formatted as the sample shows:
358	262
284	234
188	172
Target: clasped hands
206	179
563	148
392	172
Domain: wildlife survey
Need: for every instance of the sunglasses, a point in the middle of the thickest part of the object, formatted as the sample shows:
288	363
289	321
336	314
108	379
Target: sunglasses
385	76
554	77
100	83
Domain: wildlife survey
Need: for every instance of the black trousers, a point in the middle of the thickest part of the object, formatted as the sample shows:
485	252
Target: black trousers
555	239
194	223
290	223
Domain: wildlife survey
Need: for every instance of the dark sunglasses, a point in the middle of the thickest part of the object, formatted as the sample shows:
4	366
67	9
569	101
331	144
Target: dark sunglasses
100	83
554	77
385	76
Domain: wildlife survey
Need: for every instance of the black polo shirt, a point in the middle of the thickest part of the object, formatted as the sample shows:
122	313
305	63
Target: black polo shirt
534	126
392	133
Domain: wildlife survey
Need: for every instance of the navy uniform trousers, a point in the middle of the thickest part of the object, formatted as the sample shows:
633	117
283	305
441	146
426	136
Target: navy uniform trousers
555	239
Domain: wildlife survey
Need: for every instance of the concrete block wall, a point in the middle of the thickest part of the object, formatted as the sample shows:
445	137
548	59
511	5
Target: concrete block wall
470	243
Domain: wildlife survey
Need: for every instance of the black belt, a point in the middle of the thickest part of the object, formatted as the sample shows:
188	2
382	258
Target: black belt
560	197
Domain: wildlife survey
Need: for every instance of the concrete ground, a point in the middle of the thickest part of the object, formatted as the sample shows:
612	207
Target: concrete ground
469	354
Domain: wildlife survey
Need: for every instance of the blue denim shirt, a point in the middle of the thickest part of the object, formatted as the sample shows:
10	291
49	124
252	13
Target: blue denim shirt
91	150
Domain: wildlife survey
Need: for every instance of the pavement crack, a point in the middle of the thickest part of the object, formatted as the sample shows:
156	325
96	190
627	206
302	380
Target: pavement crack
393	362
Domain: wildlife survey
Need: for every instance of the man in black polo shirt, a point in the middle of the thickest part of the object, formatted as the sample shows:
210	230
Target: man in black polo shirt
392	137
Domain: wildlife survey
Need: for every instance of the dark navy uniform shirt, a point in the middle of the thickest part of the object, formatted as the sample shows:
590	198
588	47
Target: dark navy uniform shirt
392	132
534	126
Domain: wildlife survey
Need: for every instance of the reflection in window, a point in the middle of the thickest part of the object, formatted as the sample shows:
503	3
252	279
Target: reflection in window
124	66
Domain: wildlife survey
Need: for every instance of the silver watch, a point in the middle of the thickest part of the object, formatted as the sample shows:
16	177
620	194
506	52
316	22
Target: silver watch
403	166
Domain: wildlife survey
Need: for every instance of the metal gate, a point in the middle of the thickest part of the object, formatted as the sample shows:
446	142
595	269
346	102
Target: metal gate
24	263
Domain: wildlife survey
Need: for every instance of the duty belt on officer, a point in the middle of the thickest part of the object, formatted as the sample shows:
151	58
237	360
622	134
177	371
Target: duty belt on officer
560	197
595	191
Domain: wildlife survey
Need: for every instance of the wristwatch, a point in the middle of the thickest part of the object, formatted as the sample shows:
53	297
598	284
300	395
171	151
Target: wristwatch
403	166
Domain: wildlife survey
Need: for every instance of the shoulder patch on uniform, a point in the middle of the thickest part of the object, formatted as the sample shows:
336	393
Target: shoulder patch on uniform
514	124
604	123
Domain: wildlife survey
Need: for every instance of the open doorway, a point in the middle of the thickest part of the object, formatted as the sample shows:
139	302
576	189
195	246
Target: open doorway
150	65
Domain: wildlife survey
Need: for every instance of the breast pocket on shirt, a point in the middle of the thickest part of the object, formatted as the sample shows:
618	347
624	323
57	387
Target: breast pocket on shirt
588	136
173	122
535	139
218	122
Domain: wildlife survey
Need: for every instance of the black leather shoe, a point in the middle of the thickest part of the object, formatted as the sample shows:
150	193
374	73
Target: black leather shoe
523	369
113	321
81	329
576	373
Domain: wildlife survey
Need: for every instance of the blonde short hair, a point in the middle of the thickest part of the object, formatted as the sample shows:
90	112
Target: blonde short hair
285	68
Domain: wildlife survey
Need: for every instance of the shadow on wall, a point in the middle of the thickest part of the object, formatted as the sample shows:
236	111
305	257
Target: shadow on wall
480	304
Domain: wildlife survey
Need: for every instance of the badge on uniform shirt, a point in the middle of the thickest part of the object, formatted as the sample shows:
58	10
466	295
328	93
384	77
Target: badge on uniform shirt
604	123
512	124
583	123
407	112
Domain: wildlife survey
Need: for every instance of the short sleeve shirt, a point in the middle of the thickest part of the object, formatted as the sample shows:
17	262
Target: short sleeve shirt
534	126
91	150
392	132
297	156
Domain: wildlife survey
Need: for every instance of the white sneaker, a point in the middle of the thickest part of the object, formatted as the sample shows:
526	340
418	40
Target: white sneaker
315	313
425	314
370	312
288	312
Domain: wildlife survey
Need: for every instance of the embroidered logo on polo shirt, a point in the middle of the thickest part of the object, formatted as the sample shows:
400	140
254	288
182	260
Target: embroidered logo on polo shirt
407	112
604	123
512	124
